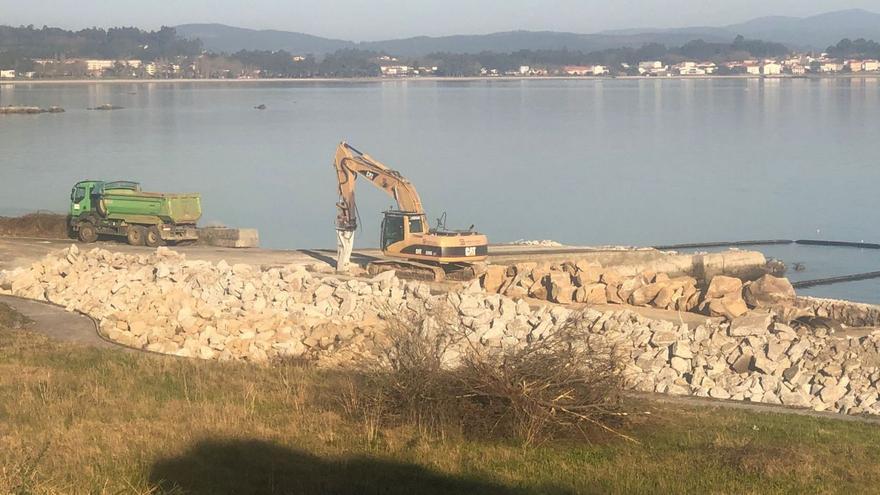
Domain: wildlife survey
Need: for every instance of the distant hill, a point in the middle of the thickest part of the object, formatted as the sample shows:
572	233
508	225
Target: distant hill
525	40
223	38
815	32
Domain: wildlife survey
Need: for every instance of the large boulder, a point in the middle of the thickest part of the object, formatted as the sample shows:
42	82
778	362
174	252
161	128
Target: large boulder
494	278
754	323
728	307
769	291
721	286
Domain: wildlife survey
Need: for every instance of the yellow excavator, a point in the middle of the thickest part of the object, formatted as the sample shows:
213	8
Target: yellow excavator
417	251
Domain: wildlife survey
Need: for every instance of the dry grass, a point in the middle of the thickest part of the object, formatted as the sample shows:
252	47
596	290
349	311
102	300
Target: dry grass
78	420
41	224
9	318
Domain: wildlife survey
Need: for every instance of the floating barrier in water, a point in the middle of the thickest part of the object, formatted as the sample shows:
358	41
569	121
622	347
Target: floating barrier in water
804	242
700	245
861	245
835	280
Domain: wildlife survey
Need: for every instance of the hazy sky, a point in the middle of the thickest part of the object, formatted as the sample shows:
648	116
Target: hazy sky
381	19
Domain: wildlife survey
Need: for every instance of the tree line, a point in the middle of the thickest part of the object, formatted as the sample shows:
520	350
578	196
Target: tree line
19	45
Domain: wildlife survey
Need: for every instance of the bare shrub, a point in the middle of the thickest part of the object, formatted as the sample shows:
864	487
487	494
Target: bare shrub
568	380
410	381
431	374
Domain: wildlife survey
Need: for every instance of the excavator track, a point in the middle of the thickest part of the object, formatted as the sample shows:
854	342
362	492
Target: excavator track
414	270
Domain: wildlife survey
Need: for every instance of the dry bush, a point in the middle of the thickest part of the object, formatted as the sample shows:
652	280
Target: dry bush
410	380
431	375
39	224
569	380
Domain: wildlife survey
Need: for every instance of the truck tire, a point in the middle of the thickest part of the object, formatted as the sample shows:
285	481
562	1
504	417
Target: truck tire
87	233
153	238
136	235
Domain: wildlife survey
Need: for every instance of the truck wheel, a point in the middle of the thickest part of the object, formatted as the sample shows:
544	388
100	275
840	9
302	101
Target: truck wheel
87	233
153	238
136	235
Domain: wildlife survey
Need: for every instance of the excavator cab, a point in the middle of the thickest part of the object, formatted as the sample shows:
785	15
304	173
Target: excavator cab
399	225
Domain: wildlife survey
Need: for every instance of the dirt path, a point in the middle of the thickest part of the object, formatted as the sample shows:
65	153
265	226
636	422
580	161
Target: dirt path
57	323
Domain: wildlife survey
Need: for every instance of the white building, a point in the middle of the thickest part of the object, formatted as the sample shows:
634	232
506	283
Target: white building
151	69
753	69
395	70
577	70
600	70
524	70
871	65
771	69
831	66
7	73
690	69
98	65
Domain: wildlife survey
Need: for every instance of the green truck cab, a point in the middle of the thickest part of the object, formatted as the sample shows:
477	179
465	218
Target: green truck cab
122	209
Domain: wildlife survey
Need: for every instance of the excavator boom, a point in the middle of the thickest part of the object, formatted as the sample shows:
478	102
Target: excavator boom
349	164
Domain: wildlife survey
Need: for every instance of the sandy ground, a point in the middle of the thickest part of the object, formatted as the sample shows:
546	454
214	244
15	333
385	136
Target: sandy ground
22	251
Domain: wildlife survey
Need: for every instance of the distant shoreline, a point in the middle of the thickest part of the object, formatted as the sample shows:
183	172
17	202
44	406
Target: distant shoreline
423	79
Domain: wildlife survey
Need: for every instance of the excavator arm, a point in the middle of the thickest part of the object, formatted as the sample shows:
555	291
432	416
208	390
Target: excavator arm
349	164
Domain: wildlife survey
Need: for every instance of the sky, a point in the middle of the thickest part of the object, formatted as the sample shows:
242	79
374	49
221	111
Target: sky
360	20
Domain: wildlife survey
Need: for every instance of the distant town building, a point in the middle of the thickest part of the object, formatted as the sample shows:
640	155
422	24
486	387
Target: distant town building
707	67
298	58
425	71
98	66
771	69
871	65
689	69
752	68
151	69
831	66
652	68
577	70
854	65
395	70
7	73
524	70
797	69
599	70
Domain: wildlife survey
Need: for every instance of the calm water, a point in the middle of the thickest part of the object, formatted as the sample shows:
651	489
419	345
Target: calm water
582	162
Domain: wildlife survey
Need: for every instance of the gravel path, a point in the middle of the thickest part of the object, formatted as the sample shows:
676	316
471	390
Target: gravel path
57	323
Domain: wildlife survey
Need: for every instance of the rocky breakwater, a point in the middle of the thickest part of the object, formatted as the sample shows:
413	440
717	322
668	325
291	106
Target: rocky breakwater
165	303
588	282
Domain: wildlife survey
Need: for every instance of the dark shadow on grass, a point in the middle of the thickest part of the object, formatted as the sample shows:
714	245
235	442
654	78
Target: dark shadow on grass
257	467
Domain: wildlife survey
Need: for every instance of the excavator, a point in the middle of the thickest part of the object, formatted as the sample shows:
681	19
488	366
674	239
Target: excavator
416	251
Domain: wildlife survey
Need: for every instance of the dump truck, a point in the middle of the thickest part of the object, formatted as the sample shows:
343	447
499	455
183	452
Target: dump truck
122	209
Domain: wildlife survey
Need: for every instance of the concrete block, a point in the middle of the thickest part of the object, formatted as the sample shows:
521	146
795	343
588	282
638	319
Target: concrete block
232	238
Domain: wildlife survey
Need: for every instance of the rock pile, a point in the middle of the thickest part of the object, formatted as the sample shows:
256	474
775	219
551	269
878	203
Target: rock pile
588	282
165	303
846	312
